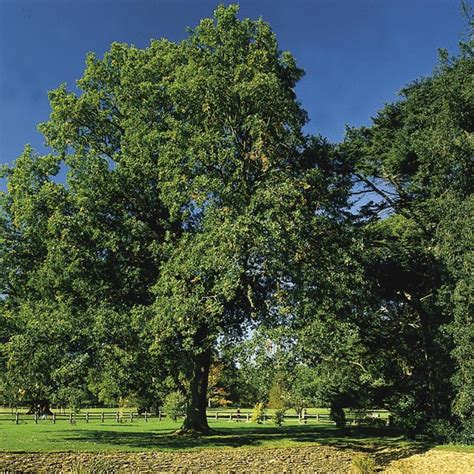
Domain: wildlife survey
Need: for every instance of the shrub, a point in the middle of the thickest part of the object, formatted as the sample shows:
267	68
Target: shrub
276	395
130	401
441	431
466	434
363	464
408	414
445	432
279	416
258	413
174	405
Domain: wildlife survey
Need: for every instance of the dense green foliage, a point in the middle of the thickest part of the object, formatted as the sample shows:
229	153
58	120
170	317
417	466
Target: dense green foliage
174	405
202	246
418	160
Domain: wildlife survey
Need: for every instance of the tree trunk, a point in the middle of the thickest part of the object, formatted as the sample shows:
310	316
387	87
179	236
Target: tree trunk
338	415
41	407
196	419
439	403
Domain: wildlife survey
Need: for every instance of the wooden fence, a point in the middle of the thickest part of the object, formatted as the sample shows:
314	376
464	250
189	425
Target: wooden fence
373	417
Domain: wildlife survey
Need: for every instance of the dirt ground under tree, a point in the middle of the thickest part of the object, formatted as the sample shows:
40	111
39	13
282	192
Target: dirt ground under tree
314	459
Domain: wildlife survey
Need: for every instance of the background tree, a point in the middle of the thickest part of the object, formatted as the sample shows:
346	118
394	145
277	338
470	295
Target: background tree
416	160
79	256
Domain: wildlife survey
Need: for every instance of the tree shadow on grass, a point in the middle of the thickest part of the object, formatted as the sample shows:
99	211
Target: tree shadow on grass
384	456
384	444
156	441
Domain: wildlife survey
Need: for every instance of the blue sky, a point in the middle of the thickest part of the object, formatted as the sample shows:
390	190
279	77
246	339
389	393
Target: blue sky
356	53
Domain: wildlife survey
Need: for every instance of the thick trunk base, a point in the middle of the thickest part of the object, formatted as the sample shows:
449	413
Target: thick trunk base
195	425
40	407
200	431
195	422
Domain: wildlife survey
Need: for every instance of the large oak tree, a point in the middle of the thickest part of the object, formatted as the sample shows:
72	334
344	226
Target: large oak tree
190	192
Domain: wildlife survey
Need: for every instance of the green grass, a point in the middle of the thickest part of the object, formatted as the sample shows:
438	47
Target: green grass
158	435
456	448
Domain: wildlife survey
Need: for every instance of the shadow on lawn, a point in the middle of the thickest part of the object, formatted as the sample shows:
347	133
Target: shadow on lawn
385	444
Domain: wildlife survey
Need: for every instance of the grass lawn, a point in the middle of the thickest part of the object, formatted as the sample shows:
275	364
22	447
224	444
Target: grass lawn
111	447
158	435
456	448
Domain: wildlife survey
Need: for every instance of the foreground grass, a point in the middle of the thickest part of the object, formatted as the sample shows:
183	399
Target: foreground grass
158	436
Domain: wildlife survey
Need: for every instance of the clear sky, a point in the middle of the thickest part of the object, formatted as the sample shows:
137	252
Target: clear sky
356	53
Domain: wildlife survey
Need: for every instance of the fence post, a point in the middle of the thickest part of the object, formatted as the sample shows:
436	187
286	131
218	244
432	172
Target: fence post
264	418
87	417
146	417
36	418
216	415
70	418
247	415
117	417
17	418
317	418
160	414
54	418
131	417
102	416
304	416
230	416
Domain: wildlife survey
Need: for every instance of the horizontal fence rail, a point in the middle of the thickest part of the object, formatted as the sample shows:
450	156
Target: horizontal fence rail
376	417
